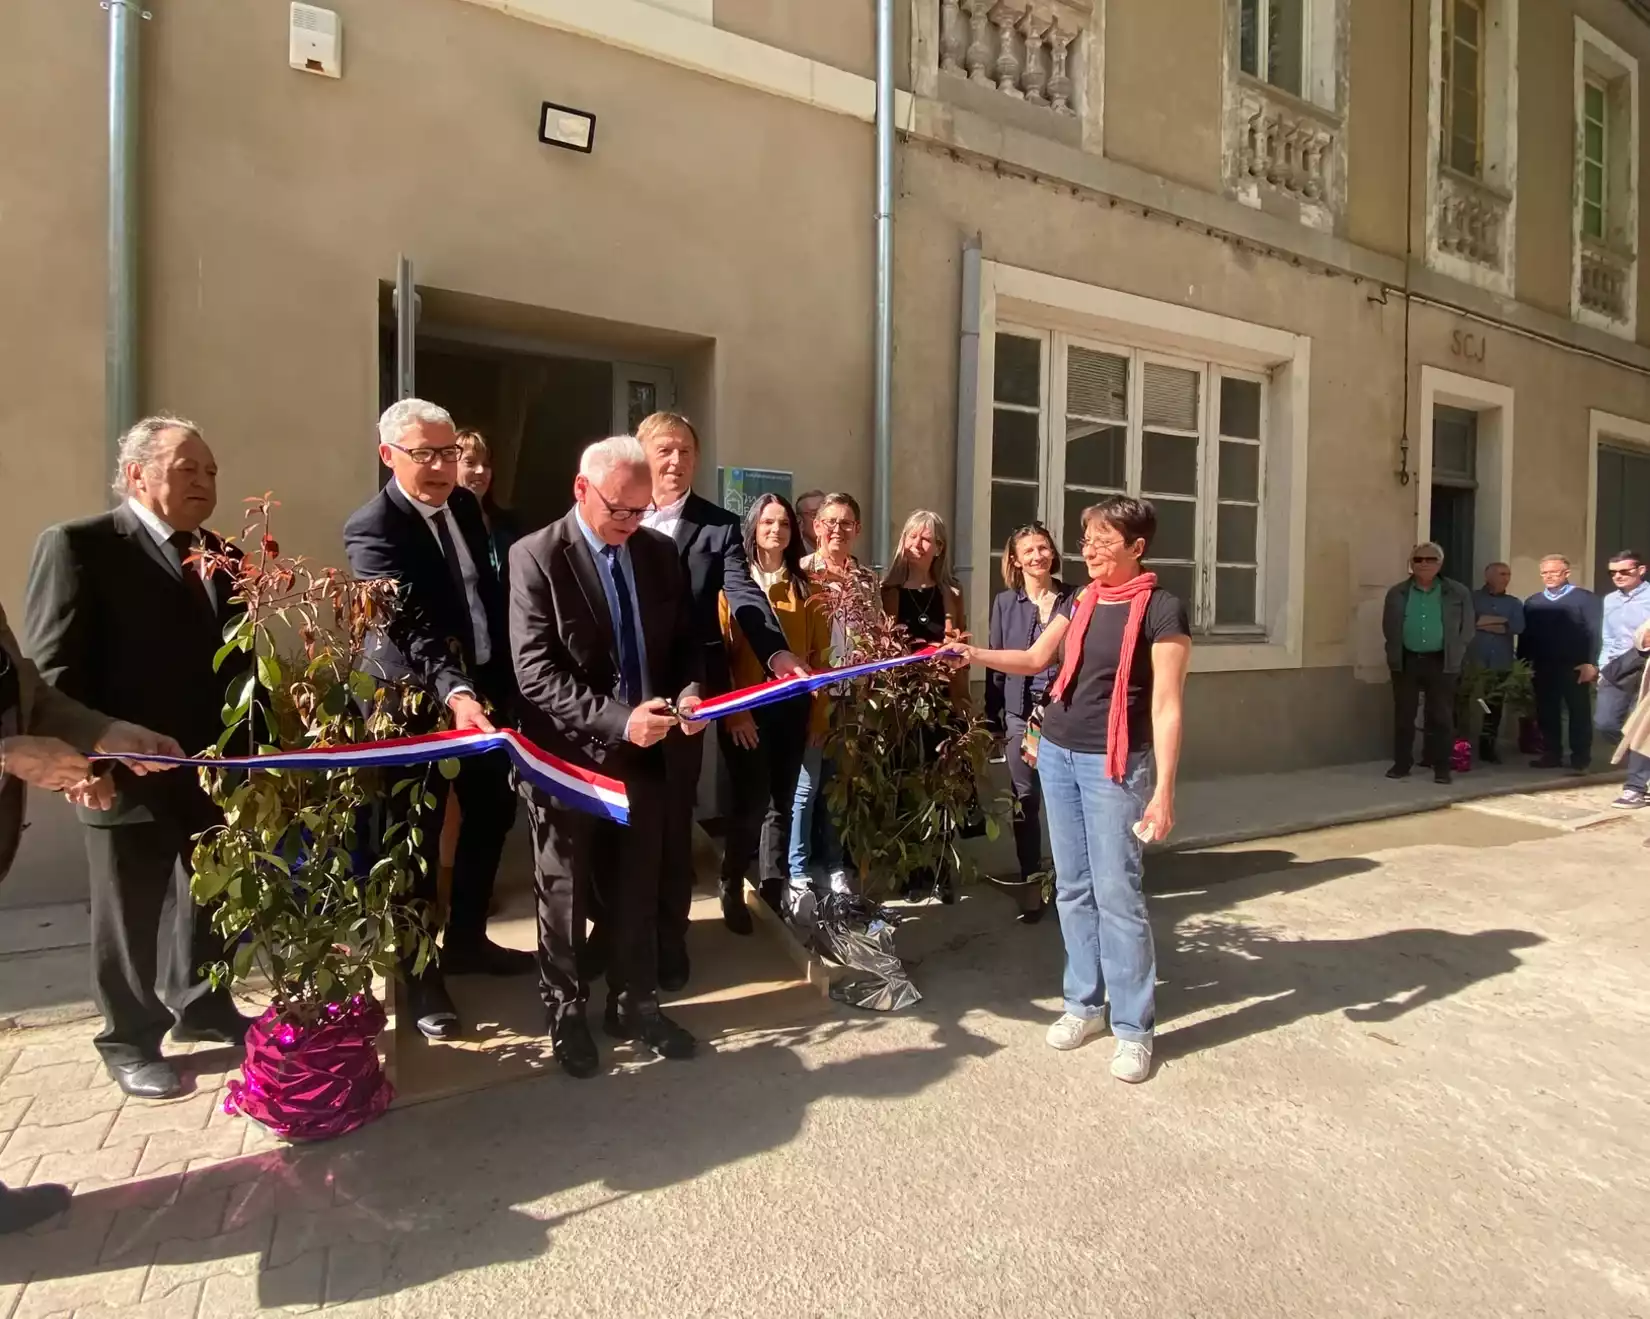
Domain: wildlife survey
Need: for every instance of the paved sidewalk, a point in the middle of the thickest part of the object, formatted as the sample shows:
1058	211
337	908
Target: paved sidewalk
1401	1068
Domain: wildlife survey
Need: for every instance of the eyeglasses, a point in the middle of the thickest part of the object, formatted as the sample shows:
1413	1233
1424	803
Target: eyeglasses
838	524
1096	543
1624	572
1425	558
447	453
618	512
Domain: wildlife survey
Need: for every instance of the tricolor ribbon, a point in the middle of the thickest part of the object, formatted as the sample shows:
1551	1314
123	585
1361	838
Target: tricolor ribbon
583	789
781	689
573	785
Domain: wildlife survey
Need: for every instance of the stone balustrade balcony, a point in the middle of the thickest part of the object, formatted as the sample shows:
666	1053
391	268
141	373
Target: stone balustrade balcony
1472	219
1282	148
1605	276
1025	49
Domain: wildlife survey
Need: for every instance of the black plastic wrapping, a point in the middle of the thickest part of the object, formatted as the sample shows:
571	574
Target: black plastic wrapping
858	934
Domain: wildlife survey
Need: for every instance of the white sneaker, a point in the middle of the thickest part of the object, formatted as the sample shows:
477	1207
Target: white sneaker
1132	1062
1069	1032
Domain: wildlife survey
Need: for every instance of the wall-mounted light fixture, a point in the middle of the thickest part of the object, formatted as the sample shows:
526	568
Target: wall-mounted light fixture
563	126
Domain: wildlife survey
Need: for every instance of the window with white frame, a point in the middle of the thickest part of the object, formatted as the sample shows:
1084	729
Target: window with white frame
1463	93
1605	279
1272	42
1595	157
1075	420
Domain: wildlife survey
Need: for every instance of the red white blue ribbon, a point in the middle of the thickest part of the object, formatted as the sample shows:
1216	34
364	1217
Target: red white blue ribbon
583	789
783	689
573	785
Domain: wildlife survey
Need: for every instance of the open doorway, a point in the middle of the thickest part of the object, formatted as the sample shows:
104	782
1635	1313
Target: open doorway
539	384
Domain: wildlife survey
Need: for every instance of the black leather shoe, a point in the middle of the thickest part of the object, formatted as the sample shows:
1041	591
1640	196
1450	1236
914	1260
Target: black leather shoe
1398	772
27	1206
773	893
486	959
1546	762
230	1031
674	968
1441	776
431	1009
1488	754
647	1025
735	914
571	1043
156	1079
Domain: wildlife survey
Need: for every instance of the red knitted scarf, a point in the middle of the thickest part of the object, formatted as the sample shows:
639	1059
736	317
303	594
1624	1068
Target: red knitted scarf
1135	593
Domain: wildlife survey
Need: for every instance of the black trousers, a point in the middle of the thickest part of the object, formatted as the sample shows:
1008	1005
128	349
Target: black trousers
1028	800
1423	680
592	870
149	939
1560	693
764	790
684	759
487	807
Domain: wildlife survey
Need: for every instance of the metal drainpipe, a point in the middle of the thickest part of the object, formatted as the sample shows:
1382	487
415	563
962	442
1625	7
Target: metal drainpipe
882	471
120	384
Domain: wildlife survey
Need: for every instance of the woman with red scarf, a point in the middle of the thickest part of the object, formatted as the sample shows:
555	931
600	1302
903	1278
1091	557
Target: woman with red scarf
1106	752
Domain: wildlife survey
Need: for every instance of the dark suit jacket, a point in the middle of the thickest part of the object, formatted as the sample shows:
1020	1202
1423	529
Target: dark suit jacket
427	641
110	623
566	656
713	556
41	711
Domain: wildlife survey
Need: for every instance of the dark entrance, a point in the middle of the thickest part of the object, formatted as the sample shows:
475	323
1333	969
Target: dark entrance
1623	519
1455	490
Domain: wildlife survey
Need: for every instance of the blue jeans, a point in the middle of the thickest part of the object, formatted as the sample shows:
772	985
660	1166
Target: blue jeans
808	823
1614	705
1097	885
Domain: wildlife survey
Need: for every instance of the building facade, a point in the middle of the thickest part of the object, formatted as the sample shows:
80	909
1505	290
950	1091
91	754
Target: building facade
1317	297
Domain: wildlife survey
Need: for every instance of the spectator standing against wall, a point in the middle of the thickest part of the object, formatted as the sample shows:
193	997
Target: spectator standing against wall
1621	666
1427	622
1499	624
1561	642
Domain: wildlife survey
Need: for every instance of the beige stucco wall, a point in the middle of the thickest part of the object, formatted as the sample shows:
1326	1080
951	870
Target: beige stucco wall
1163	88
276	202
1377	123
1546	154
52	143
837	32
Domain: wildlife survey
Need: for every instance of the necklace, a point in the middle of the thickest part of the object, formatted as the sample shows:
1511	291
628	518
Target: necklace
924	599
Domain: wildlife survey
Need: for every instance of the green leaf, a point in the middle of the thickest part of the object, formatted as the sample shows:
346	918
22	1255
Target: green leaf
224	652
243	960
363	685
269	672
336	701
993	830
239	697
449	768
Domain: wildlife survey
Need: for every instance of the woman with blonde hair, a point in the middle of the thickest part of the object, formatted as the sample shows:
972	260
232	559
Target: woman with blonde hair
920	592
1019	615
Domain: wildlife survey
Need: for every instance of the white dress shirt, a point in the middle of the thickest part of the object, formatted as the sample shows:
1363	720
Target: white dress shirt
162	534
467	566
664	520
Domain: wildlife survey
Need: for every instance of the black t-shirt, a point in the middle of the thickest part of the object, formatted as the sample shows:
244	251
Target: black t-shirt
1077	722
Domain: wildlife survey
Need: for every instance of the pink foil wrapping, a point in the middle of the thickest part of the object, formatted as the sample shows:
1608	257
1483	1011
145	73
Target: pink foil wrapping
314	1082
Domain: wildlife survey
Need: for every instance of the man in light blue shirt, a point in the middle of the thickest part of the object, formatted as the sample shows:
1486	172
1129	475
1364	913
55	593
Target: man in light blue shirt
1620	667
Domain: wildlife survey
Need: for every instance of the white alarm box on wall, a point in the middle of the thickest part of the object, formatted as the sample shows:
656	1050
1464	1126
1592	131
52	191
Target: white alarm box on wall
317	43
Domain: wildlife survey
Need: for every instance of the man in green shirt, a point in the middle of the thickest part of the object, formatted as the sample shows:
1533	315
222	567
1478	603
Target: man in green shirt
1427	623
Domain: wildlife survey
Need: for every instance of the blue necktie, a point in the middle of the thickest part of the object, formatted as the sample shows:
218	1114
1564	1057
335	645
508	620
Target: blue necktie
630	655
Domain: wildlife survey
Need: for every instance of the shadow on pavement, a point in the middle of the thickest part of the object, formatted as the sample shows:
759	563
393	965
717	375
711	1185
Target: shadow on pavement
438	1189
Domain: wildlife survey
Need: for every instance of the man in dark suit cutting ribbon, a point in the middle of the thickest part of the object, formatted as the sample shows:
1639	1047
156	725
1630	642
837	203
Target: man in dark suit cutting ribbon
121	618
602	629
450	638
710	542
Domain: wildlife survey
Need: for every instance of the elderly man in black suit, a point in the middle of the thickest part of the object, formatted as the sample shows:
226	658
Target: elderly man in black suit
710	542
450	637
45	738
121	618
604	639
